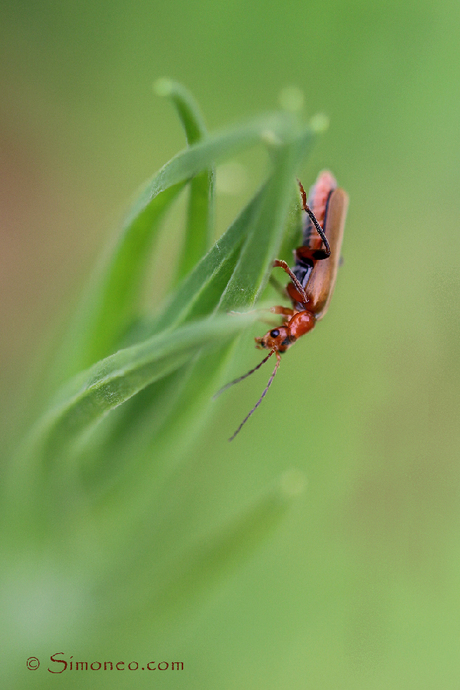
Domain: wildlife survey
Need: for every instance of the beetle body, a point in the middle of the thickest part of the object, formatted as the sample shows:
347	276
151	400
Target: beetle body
314	273
312	277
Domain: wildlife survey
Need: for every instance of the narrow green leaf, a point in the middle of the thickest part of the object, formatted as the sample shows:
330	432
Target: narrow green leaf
292	236
101	323
197	296
263	237
186	106
111	302
200	219
242	257
264	242
192	297
112	381
200	292
213	149
256	235
200	213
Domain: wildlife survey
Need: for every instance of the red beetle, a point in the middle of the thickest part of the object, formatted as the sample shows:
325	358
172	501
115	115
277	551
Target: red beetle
312	277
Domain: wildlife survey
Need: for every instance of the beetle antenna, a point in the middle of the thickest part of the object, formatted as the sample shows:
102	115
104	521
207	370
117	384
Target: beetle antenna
240	378
313	218
270	381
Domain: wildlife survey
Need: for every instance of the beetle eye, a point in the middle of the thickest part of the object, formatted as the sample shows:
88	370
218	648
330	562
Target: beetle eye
275	333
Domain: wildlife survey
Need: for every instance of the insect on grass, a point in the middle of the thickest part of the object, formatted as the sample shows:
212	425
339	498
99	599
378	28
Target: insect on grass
312	279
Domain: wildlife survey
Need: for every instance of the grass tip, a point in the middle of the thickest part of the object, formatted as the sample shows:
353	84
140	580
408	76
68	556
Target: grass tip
163	86
270	138
319	123
291	98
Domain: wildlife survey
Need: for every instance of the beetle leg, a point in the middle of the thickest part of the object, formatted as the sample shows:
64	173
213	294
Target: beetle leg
314	220
285	311
282	264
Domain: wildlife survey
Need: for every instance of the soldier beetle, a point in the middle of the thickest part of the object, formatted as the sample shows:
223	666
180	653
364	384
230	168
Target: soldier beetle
312	277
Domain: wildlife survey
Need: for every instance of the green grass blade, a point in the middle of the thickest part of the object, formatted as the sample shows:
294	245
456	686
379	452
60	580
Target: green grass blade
111	302
186	107
200	292
200	212
105	318
114	380
256	235
247	281
200	219
197	296
232	274
262	245
246	250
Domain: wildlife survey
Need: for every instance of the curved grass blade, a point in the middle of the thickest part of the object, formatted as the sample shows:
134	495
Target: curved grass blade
257	232
197	296
111	301
200	212
100	325
186	107
249	247
200	219
213	149
262	246
200	292
111	382
248	279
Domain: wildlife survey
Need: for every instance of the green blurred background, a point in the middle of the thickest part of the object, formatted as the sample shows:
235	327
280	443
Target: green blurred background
360	588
